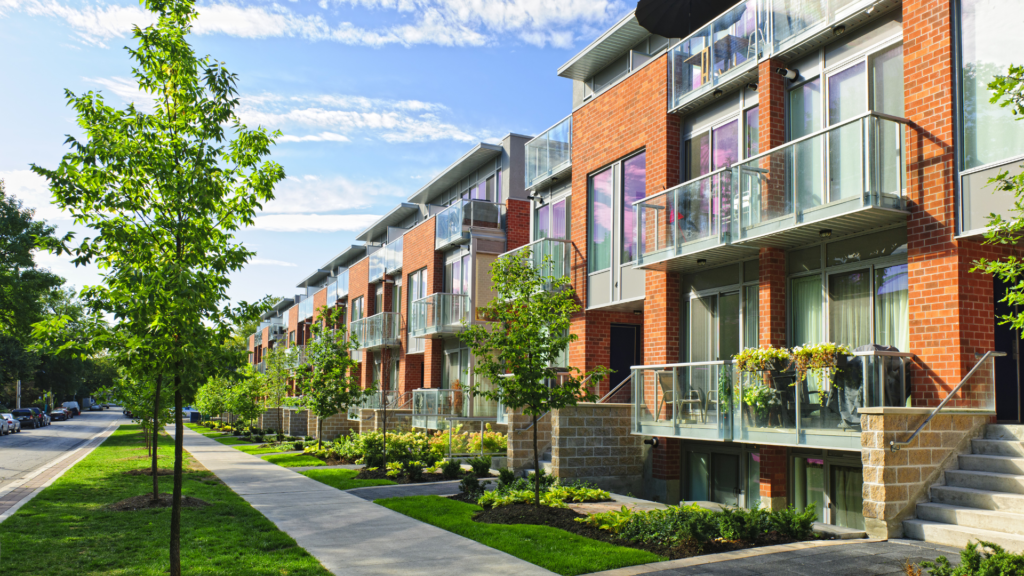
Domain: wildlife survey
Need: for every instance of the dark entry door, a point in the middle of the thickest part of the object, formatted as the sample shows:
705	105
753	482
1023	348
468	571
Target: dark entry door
625	352
1008	368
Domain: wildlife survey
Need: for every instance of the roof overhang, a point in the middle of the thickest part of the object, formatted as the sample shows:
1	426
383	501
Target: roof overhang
451	175
397	214
346	257
607	47
278	307
313	278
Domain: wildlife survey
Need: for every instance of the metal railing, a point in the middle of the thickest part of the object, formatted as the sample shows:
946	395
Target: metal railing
431	406
389	399
616	395
551	257
381	330
549	153
452	225
440	313
983	399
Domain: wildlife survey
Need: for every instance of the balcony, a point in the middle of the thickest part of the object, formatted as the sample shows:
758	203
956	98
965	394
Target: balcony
714	401
378	331
453	225
389	399
845	179
724	53
261	367
551	257
386	260
549	155
431	407
306	309
439	314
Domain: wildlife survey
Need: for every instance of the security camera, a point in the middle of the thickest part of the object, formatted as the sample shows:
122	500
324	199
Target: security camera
789	73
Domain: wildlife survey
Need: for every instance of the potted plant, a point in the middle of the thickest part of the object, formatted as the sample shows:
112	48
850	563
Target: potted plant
763	359
758	403
823	360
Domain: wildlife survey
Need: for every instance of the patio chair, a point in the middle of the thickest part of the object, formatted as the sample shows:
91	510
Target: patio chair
667	390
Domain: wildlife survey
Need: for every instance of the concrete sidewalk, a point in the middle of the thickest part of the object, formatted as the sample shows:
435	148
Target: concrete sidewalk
347	534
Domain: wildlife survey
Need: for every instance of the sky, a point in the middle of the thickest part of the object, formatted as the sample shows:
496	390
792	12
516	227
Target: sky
373	97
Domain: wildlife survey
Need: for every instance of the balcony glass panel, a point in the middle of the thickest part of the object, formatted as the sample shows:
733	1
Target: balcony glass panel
306	308
440	313
453	224
550	256
378	262
332	293
691	217
378	331
792	18
549	153
394	255
733	40
686	400
432	406
820	177
342	283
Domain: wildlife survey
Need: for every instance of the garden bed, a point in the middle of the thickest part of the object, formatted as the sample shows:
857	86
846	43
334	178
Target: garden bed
381	474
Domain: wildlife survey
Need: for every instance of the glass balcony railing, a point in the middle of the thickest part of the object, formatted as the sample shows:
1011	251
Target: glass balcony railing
550	256
714	401
393	255
846	178
378	331
794	20
306	309
392	399
431	407
378	263
342	284
550	153
332	293
732	42
454	223
439	313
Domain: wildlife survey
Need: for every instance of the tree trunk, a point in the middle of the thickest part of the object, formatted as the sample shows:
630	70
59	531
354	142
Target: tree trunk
319	432
176	496
156	438
384	423
536	466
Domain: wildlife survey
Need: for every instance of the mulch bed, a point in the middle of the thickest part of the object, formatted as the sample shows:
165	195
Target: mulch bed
565	519
148	472
145	502
381	474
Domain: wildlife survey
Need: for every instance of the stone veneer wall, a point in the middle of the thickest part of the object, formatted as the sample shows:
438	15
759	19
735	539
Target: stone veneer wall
894	482
398	420
272	418
593	442
520	440
334	426
297	422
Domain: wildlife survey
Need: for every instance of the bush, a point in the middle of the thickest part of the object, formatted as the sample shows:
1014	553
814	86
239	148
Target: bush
309	439
468	442
281	437
789	522
298	446
451	469
259	438
506	476
556	497
974	562
481	466
470	487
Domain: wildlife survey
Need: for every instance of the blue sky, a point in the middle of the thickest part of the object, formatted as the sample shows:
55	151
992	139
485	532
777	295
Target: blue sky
374	97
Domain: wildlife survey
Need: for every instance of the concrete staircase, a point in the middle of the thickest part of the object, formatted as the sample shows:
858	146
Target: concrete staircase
983	499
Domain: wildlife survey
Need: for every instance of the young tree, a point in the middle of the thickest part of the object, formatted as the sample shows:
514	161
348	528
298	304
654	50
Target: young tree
245	395
1008	91
280	364
328	379
529	331
212	397
163	193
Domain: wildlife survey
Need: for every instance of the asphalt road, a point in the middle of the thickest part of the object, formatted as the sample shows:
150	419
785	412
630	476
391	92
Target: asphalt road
23	452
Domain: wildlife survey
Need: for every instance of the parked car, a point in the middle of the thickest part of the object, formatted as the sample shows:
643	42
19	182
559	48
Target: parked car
74	407
41	416
13	424
105	405
58	415
127	413
5	427
26	417
95	408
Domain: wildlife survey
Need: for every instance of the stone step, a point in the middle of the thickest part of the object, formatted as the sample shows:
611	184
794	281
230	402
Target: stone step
985	463
973	498
997	447
995	520
993	481
1005	432
959	536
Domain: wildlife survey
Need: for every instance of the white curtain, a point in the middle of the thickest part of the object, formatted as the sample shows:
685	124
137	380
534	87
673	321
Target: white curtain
806	301
891	316
847	497
850	308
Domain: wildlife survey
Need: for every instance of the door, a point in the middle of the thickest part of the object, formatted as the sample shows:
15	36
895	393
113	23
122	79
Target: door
847	98
625	352
725	478
1008	368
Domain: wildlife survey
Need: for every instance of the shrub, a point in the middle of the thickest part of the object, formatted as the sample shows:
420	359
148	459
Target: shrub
259	438
281	437
470	487
991	559
298	446
789	522
506	476
556	497
481	466
613	521
309	439
451	469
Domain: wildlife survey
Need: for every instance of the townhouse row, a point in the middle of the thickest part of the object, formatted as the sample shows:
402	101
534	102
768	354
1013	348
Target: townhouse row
787	173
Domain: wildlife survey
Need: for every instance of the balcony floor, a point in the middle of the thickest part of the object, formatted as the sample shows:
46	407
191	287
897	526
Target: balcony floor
783	233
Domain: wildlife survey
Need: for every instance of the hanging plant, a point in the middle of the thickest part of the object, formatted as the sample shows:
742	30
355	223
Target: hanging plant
761	359
821	360
725	384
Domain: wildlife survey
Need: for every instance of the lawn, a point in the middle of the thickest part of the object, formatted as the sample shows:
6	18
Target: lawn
255	449
231	440
294	460
551	548
68	528
204	430
343	479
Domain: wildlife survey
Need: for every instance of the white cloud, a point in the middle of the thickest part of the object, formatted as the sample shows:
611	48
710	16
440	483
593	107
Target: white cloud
438	22
310	194
268	262
125	88
34	192
321	137
315	222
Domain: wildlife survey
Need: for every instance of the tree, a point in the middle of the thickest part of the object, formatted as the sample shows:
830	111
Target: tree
212	397
528	333
245	395
164	192
1008	91
328	379
280	364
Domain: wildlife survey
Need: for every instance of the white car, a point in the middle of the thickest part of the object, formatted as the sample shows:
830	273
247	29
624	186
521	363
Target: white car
12	424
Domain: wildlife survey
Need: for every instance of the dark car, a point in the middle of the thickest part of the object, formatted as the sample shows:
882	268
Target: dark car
40	416
26	417
58	415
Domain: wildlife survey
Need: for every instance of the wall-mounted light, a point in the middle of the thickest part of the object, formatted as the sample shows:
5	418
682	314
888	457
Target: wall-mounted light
653	441
638	312
752	86
717	93
702	262
838	30
789	73
826	233
870	11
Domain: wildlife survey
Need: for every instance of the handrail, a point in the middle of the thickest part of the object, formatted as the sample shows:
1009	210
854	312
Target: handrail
681	185
616	389
836	126
894	446
537	241
682	364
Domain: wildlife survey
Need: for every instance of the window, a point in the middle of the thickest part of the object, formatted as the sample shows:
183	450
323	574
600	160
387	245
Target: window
376	370
393	374
396	295
291	338
634	187
417	291
750	133
551	219
457	275
357	309
831	484
378	299
599	245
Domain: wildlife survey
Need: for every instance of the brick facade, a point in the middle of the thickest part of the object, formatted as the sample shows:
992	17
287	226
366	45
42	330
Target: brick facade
517	218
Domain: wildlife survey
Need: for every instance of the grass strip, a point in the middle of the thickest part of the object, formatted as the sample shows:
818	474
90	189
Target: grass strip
256	449
294	460
69	529
232	441
343	479
547	547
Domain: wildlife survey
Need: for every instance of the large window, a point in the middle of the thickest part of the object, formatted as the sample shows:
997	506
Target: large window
634	187
457	274
357	309
832	484
417	290
551	219
599	245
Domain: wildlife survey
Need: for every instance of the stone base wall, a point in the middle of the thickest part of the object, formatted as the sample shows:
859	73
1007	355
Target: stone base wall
593	442
520	440
296	422
398	420
271	419
334	426
894	482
